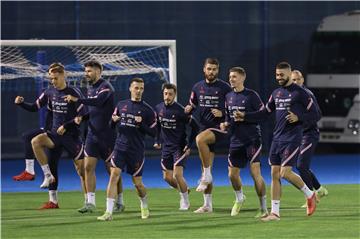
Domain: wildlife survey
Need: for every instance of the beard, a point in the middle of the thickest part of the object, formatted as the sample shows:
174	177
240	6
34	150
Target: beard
211	77
283	82
89	79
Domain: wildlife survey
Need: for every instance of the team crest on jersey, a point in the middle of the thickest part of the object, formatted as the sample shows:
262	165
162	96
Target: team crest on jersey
278	94
202	91
243	101
124	108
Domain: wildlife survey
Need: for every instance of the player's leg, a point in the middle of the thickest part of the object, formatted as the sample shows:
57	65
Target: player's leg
111	192
141	191
207	195
303	163
289	158
183	188
135	166
236	159
39	143
253	152
119	204
307	150
260	188
90	184
203	140
54	156
169	178
29	172
275	163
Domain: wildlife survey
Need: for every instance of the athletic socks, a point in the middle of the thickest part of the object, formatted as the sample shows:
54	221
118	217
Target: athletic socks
263	203
239	195
45	168
308	193
30	166
110	205
207	200
275	207
143	202
120	199
91	198
53	196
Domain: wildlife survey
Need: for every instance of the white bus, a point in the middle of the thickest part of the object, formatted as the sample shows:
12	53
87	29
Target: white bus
333	74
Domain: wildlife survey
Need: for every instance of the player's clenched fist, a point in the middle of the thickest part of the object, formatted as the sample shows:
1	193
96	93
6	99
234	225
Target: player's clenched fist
19	100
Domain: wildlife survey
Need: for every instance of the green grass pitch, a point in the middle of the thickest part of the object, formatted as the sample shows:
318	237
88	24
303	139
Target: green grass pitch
337	216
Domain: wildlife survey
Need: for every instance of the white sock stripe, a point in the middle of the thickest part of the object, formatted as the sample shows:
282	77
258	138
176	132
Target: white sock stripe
306	148
79	154
138	171
290	157
256	154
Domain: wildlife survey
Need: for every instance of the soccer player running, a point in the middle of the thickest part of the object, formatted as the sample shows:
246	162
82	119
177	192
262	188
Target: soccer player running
245	139
172	122
308	144
100	138
133	119
29	173
64	133
291	104
208	97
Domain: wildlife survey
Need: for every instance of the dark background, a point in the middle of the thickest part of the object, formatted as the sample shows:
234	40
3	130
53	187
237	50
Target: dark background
254	35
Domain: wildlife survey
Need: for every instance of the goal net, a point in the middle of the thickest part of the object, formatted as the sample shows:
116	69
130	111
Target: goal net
24	65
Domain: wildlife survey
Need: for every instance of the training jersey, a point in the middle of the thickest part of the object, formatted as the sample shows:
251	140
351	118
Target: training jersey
206	96
32	107
100	102
310	128
131	135
282	100
172	122
242	132
63	112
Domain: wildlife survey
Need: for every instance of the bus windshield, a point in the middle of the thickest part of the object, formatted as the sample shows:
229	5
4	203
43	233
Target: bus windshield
334	53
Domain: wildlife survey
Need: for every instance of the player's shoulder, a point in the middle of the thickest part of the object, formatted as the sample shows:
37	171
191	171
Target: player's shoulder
223	84
199	84
179	106
122	102
252	92
229	94
159	106
106	85
147	106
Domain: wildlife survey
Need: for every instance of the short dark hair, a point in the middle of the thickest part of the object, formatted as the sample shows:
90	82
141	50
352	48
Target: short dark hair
283	65
169	86
136	79
94	64
212	61
239	70
56	67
